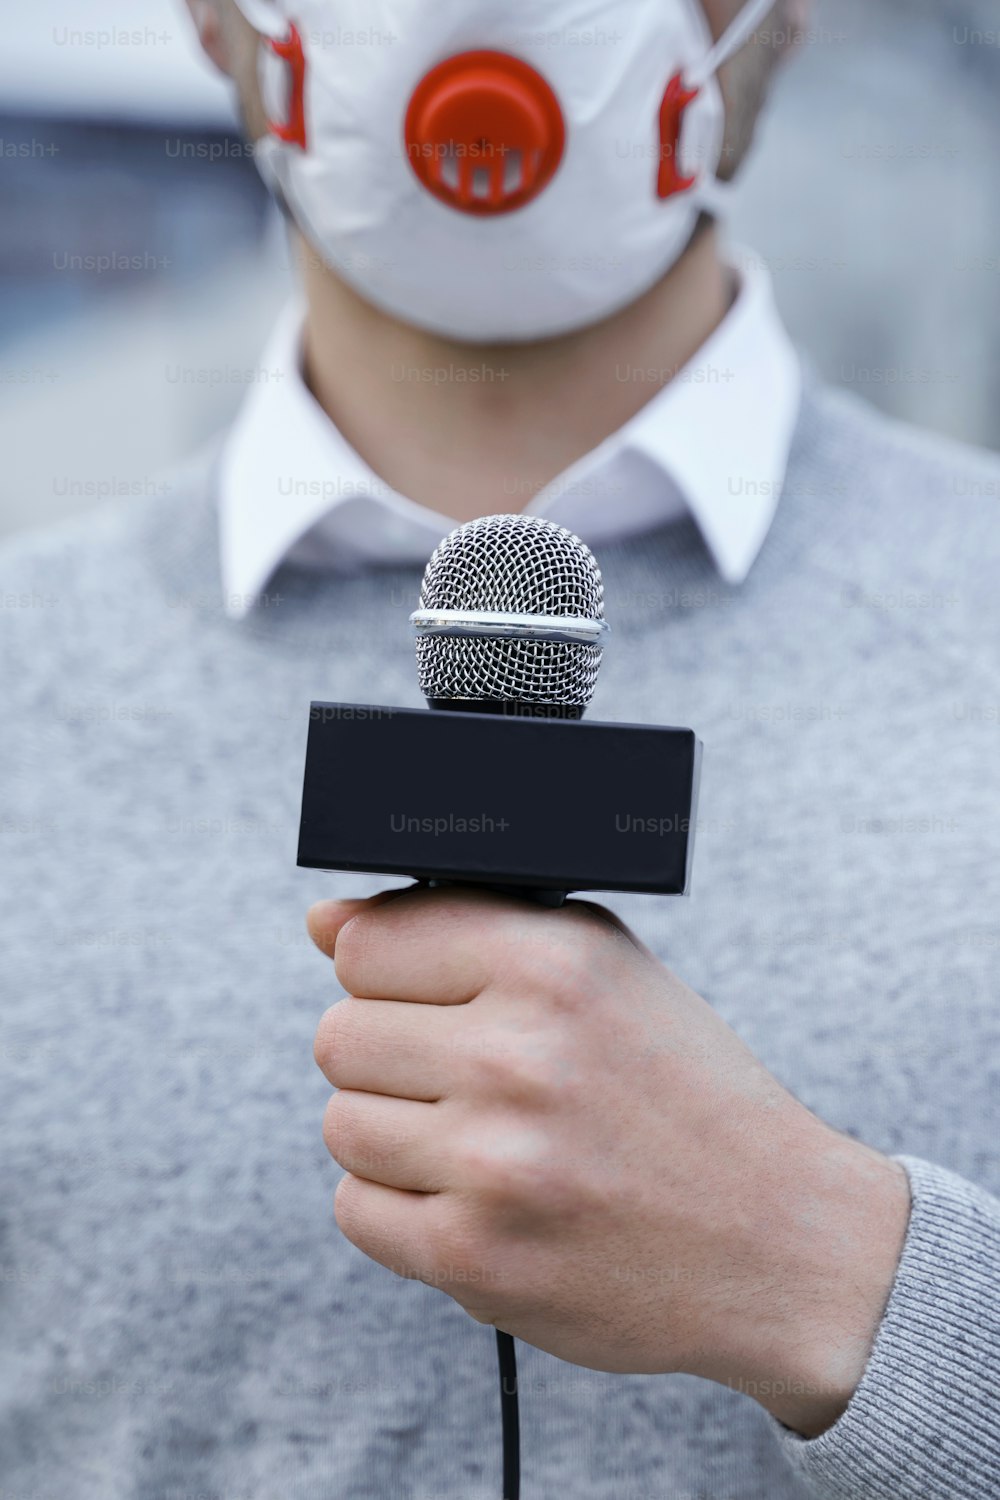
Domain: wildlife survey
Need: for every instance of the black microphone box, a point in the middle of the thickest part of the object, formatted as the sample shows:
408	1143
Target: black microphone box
536	803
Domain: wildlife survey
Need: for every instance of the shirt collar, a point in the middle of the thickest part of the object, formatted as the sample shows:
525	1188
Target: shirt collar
715	440
723	428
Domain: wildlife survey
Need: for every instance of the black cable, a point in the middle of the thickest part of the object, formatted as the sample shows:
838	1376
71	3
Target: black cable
507	1356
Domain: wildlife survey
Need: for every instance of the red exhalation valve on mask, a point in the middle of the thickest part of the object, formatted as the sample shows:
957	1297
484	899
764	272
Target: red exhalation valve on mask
484	132
292	130
676	100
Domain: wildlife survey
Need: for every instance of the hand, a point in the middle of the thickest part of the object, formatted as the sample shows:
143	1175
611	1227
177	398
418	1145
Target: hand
540	1119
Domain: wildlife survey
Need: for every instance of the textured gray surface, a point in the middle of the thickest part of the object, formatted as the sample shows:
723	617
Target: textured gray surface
179	1314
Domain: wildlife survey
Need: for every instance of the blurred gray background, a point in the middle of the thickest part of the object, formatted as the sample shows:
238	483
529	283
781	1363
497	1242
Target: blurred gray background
140	265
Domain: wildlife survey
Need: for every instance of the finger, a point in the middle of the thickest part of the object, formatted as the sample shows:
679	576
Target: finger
436	947
413	1234
388	1047
325	919
396	1142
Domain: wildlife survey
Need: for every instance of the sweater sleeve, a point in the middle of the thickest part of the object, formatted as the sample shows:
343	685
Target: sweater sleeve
924	1424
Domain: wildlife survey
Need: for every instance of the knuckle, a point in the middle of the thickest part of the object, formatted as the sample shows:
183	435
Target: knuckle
548	1183
580	959
571	955
494	1165
525	1069
586	935
516	1175
541	1067
494	1068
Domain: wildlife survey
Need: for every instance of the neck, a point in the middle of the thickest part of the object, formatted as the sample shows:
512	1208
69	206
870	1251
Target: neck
471	430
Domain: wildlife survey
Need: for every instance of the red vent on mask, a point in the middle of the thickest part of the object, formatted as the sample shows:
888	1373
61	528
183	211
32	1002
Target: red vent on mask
484	132
292	130
675	101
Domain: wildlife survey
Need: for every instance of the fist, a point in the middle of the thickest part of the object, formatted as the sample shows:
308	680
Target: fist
537	1117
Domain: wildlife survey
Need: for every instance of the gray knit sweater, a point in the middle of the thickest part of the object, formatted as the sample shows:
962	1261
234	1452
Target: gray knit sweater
179	1316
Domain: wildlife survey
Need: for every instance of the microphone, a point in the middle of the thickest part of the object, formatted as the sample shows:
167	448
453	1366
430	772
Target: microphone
511	620
505	785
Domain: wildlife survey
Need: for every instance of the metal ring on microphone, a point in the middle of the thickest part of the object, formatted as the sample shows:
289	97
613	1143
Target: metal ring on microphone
569	630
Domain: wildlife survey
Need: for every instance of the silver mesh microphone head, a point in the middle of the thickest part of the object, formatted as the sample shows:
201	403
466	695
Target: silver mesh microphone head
511	611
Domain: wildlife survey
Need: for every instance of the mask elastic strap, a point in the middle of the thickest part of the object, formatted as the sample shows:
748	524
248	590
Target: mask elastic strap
711	195
265	17
736	35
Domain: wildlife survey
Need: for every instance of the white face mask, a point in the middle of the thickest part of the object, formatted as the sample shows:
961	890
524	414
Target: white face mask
495	170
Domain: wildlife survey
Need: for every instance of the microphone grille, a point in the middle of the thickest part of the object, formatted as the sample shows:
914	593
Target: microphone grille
520	565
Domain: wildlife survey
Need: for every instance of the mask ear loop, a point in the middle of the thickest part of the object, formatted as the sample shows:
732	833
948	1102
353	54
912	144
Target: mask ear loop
735	36
265	18
711	194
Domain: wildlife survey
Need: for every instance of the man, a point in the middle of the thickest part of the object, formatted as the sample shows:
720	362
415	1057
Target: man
750	1246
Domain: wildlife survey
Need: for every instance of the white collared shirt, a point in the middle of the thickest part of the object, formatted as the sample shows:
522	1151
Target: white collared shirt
713	442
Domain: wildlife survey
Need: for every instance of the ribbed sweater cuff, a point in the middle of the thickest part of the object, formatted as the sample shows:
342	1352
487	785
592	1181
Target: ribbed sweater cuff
924	1424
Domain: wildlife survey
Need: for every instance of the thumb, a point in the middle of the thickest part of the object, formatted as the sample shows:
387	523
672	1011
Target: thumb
327	919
